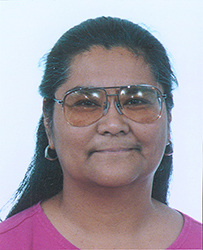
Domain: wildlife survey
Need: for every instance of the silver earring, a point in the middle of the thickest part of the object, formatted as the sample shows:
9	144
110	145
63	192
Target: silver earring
50	154
169	149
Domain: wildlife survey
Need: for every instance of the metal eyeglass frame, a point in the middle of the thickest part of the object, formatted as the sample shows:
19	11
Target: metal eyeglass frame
117	103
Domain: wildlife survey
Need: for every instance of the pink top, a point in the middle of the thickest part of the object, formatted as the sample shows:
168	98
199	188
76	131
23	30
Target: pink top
31	229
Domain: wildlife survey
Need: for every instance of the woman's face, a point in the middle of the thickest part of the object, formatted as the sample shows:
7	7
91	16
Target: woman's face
114	151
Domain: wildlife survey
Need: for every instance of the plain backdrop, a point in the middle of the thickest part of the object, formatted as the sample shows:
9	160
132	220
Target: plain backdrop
29	29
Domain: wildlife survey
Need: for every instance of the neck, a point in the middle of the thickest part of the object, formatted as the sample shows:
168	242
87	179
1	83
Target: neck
95	217
96	206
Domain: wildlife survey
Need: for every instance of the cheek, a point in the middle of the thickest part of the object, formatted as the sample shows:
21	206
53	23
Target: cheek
70	143
154	139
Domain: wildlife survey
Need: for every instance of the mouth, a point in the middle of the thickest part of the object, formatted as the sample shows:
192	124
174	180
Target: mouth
115	150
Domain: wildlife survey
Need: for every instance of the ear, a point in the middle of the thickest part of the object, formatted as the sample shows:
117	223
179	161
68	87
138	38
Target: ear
169	118
47	125
169	127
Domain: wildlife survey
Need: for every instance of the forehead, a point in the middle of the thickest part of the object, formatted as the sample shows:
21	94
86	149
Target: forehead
100	67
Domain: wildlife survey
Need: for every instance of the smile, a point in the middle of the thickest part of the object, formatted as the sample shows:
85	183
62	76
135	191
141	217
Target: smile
114	150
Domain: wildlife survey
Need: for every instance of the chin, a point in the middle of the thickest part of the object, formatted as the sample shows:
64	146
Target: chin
114	178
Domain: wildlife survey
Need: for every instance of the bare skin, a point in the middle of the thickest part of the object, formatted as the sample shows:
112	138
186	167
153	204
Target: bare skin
106	199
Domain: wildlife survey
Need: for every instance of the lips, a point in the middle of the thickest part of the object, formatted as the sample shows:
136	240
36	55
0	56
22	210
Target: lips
112	150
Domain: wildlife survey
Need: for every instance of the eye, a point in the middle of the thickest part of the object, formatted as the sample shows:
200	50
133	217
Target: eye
136	102
86	103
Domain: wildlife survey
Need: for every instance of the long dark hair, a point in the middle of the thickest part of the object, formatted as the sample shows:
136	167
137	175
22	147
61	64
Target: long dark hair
44	178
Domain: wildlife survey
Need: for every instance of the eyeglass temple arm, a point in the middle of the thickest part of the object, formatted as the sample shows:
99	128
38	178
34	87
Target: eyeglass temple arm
59	101
164	96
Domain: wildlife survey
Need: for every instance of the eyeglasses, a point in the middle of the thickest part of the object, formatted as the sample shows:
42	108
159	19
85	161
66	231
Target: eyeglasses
82	106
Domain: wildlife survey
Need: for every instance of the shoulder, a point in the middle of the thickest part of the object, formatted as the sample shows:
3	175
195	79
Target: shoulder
16	232
20	220
190	236
31	229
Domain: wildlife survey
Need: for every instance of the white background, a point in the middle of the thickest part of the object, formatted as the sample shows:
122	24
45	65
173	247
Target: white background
29	29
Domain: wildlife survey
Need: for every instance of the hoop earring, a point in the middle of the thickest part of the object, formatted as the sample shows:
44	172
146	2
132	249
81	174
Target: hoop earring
50	154
169	149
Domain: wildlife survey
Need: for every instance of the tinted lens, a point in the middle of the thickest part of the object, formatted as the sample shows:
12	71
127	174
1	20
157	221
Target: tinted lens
84	106
141	104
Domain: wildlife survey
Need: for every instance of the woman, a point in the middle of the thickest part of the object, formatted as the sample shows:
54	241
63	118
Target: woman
103	160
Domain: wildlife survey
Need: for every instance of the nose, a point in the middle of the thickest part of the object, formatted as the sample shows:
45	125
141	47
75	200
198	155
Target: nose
113	122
